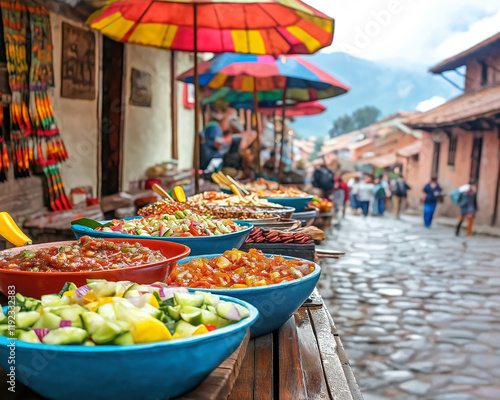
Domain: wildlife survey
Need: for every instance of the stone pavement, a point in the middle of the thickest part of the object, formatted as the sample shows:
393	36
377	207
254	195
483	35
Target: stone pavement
418	310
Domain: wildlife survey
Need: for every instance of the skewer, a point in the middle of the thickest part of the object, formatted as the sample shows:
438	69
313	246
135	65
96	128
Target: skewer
162	192
238	185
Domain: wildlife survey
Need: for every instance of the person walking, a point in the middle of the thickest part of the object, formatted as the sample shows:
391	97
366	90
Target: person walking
467	201
353	185
379	193
399	189
365	194
431	197
323	179
340	197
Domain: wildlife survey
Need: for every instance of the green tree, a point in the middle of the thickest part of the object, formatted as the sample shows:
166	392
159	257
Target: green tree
359	119
365	116
342	125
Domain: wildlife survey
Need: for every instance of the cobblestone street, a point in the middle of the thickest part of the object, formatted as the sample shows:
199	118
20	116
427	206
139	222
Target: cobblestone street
418	310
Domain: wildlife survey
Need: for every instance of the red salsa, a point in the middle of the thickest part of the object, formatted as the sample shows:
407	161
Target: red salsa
86	254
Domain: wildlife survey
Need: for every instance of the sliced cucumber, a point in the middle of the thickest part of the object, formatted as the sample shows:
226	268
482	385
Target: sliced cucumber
68	286
103	288
174	312
26	319
67	335
209	299
124	339
29	336
154	312
208	318
184	328
191	314
187	299
89	343
48	321
106	332
72	313
51	300
92	321
107	311
222	322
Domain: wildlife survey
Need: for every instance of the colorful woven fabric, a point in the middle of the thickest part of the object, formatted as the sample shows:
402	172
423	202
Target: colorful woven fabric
304	81
240	26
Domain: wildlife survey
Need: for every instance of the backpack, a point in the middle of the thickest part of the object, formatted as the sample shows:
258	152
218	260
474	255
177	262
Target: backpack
323	179
454	196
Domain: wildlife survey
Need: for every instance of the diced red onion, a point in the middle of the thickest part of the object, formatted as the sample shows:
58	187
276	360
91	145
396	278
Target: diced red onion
41	332
82	291
64	323
156	285
233	314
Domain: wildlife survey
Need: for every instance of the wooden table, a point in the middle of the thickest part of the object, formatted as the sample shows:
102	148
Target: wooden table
303	360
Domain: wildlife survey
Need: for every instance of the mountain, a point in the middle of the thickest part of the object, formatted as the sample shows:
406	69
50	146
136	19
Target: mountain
389	85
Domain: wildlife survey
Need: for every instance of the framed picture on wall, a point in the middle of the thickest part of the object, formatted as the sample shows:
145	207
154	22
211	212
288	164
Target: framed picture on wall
188	95
141	91
78	63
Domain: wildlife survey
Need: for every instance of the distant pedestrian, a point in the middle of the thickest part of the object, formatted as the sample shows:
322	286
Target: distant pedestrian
379	194
353	185
467	201
399	189
431	197
340	196
323	179
365	194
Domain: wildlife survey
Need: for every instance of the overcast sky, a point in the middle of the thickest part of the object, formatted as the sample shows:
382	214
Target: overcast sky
418	31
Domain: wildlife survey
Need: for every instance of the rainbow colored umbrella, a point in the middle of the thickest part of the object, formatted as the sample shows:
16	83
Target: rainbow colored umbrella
242	26
297	110
302	80
265	78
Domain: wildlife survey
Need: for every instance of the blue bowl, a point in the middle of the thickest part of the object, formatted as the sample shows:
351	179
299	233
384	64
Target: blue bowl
299	203
198	245
276	303
160	370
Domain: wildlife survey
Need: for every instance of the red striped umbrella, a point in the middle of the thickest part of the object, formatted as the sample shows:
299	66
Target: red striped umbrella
297	110
242	26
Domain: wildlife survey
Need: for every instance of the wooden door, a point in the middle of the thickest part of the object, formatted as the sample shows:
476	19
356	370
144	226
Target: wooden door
112	116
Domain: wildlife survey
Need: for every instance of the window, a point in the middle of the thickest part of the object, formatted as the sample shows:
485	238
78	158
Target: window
452	151
435	159
484	73
477	149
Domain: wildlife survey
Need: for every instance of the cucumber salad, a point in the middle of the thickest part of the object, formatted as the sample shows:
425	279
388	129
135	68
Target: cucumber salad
181	224
118	313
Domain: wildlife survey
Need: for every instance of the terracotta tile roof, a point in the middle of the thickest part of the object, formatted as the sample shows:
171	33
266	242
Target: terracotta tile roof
380	161
410	150
464	108
461	58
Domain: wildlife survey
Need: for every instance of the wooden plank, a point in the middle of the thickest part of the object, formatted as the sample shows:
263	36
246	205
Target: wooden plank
335	376
219	383
351	379
314	300
312	367
216	386
243	387
264	368
291	379
173	104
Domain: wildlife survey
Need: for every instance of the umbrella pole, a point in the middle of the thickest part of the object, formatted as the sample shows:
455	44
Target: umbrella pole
196	152
280	166
257	124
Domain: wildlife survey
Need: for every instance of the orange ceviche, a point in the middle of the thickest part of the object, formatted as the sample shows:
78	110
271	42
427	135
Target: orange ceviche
237	269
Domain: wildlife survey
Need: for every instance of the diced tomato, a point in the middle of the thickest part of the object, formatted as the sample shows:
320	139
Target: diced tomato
210	327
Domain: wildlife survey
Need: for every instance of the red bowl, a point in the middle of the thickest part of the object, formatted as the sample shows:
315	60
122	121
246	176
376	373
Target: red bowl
36	284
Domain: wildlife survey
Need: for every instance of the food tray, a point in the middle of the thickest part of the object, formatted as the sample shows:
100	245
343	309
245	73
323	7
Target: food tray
305	251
